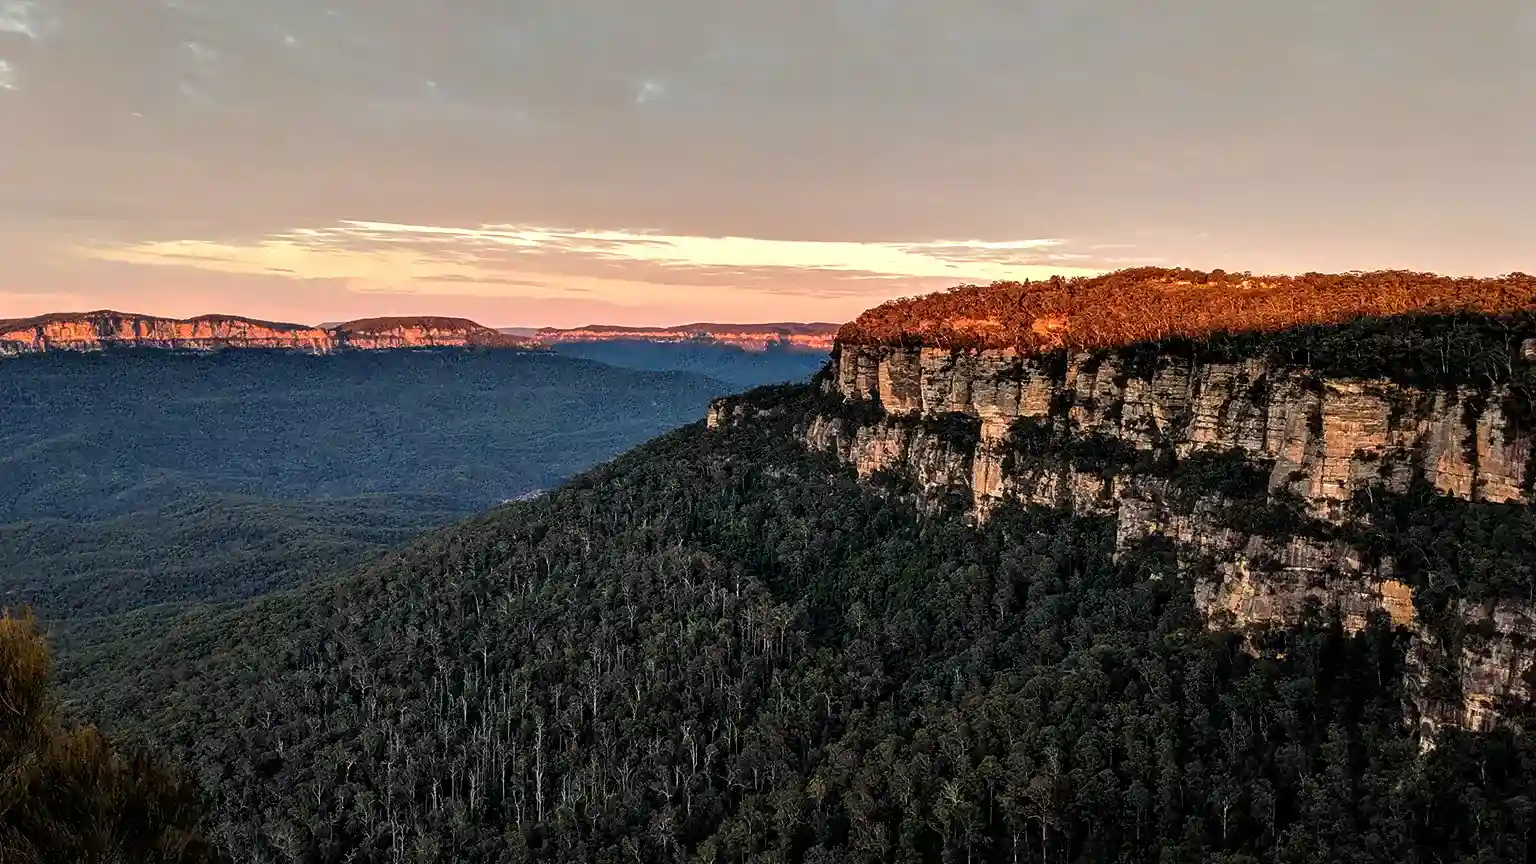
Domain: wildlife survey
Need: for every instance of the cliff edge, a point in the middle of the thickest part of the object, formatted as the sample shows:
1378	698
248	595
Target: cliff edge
818	336
1357	443
95	331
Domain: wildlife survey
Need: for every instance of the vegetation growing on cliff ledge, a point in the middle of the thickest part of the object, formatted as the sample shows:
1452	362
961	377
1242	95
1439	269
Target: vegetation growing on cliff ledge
1150	304
1451	549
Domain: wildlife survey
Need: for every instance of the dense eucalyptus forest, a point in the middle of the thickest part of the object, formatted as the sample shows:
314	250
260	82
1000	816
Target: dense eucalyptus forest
721	648
739	366
135	478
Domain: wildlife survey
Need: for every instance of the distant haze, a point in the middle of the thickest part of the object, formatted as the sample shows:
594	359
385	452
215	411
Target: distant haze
596	161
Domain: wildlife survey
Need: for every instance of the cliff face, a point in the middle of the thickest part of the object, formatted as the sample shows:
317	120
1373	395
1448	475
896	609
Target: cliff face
95	331
752	337
1286	453
421	332
1324	437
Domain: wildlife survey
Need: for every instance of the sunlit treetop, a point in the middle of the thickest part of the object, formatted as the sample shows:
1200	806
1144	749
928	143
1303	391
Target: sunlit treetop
1151	303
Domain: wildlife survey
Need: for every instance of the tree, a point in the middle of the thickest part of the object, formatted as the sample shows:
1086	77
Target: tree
66	795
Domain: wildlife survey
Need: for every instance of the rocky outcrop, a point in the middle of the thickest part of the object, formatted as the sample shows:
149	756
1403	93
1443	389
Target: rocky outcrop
95	331
421	332
752	337
1492	656
1313	442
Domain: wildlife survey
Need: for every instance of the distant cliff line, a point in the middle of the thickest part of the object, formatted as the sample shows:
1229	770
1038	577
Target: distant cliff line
103	329
95	331
813	336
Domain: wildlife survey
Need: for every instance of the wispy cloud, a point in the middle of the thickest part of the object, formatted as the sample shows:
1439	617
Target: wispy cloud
22	18
525	260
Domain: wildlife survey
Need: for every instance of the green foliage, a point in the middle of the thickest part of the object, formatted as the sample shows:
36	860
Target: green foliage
1281	513
721	648
1037	444
143	477
1449	548
66	795
206	546
729	363
959	431
1433	352
1228	473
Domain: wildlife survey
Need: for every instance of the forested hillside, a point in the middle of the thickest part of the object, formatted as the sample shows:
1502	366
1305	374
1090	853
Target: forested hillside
737	365
722	648
139	477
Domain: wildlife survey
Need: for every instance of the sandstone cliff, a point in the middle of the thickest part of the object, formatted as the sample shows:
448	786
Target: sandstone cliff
752	337
1274	477
95	331
417	332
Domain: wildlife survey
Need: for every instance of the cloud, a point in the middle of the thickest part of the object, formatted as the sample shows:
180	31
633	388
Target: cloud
21	17
527	261
650	90
8	79
959	259
491	280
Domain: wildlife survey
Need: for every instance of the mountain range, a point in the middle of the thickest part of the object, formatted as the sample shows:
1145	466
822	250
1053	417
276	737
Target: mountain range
109	329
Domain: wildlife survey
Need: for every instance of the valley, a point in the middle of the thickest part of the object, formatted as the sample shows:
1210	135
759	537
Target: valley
742	367
146	477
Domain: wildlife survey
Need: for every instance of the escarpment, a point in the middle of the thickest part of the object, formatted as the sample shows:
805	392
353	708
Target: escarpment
435	332
96	331
1361	466
816	336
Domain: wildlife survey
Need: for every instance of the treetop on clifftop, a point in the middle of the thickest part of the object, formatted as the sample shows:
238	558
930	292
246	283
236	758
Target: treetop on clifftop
1149	303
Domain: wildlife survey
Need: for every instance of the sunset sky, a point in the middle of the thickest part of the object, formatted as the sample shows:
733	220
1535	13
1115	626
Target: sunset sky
563	162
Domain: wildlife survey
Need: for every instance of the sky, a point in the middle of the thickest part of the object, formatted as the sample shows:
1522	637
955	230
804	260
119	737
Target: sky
565	162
